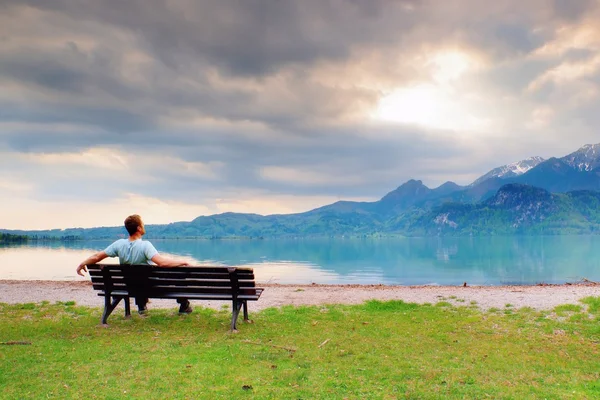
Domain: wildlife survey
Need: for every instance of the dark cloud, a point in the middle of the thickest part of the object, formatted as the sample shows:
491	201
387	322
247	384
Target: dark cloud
573	9
249	37
518	37
117	122
255	84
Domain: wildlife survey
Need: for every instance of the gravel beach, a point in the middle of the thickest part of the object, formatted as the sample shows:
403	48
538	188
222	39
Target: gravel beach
543	297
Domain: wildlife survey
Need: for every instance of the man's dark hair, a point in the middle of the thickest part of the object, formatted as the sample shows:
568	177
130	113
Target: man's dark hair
132	222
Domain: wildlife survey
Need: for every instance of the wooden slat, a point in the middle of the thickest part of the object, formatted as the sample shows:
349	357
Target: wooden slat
251	295
229	290
161	273
200	269
192	296
173	282
157	271
123	286
150	292
101	286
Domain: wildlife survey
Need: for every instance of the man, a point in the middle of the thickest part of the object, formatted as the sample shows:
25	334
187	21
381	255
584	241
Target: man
136	251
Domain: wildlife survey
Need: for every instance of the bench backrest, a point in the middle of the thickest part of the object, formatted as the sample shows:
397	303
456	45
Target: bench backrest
156	282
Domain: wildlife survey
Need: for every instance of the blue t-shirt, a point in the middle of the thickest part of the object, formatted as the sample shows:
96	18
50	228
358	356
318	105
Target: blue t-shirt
136	252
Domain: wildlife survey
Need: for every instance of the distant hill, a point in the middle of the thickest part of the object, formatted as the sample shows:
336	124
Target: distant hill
554	196
515	209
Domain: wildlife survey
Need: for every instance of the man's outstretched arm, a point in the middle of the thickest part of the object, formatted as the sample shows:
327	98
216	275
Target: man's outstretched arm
167	262
96	258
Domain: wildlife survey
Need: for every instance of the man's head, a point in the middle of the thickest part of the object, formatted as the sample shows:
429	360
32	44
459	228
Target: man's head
133	224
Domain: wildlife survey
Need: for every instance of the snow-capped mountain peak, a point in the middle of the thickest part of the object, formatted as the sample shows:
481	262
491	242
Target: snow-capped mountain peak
511	170
586	158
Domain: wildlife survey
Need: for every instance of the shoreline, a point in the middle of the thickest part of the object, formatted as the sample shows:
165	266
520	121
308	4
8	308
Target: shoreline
539	297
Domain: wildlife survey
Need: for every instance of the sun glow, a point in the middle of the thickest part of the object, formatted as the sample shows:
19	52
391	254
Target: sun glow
450	65
416	105
429	106
439	103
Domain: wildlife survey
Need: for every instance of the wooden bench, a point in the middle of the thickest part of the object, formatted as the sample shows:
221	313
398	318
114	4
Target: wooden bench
121	282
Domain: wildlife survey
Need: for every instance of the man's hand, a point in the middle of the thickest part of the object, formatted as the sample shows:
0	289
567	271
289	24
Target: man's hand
82	267
89	261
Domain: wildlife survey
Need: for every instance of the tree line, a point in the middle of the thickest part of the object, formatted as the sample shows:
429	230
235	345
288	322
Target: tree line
10	238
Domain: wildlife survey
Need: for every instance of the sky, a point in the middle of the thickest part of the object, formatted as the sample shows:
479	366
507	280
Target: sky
179	108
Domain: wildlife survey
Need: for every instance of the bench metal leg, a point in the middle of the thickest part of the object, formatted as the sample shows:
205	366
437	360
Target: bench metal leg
109	307
127	307
245	311
237	305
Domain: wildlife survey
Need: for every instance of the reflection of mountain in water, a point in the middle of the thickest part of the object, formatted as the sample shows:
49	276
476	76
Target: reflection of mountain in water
449	260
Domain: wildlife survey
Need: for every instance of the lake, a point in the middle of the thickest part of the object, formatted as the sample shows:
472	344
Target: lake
390	261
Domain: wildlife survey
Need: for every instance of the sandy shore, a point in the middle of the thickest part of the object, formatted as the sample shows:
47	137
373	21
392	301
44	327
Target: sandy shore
538	297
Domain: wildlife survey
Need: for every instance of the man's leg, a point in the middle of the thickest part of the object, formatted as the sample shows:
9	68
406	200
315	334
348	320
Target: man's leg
141	305
184	306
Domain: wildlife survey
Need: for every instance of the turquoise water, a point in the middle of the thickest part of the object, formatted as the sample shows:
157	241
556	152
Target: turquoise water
410	261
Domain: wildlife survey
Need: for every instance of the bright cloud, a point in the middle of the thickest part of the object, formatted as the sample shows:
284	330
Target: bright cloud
28	213
308	176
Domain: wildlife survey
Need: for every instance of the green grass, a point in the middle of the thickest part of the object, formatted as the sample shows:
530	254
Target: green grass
378	350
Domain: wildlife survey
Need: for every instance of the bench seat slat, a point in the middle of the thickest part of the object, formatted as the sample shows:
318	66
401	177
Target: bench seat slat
192	296
191	289
156	290
195	286
161	290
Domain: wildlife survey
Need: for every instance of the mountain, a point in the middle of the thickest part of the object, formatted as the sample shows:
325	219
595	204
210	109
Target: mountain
556	175
510	170
558	195
473	194
404	196
587	158
515	209
525	205
409	194
414	194
579	170
447	188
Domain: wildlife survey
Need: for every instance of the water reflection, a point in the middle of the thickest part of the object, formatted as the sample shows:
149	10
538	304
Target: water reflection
486	261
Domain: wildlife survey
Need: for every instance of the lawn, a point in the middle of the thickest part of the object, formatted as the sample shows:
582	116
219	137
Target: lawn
378	350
